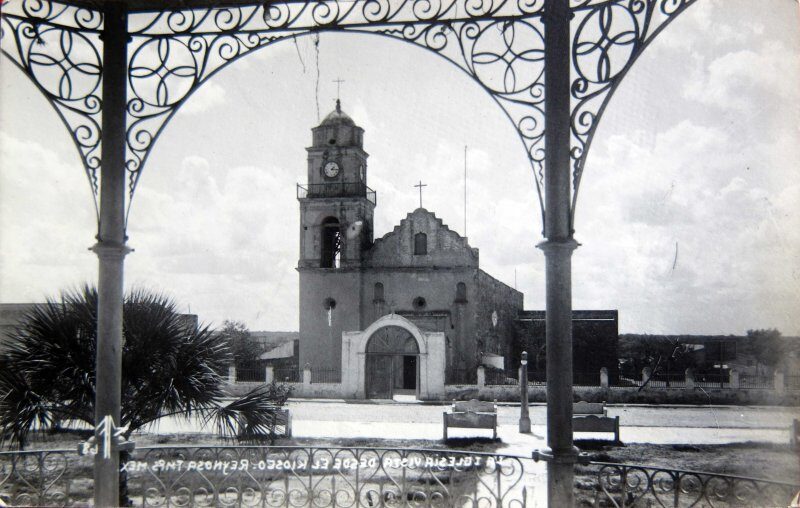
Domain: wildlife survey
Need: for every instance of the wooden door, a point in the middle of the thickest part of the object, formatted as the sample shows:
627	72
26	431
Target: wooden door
379	376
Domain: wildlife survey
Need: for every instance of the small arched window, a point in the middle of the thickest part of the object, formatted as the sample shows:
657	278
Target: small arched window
378	292
420	244
461	292
331	243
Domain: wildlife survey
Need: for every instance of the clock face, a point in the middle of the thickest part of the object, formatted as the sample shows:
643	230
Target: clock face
331	169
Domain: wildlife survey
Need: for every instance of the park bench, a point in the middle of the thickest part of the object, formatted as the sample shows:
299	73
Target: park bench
281	423
473	414
593	417
283	419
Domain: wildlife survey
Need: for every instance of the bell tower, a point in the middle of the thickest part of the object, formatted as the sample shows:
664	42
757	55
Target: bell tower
336	206
336	218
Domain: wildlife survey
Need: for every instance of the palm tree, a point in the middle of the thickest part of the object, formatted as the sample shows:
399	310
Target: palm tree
170	366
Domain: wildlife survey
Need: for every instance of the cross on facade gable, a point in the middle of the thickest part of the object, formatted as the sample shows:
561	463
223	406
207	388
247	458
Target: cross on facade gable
420	185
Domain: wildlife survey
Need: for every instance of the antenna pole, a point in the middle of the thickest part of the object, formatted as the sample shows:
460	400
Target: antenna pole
465	191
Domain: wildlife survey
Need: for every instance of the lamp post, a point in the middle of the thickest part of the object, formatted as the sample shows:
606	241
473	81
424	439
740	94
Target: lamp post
524	418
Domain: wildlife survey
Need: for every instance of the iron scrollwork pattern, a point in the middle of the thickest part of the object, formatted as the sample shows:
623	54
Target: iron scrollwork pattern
336	476
506	59
322	477
42	478
609	36
163	73
625	485
58	47
498	43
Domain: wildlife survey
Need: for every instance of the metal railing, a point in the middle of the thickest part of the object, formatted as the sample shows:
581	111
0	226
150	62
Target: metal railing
326	376
756	381
303	476
336	190
628	485
462	377
501	377
45	478
712	380
288	375
251	374
792	382
586	378
336	476
537	377
668	380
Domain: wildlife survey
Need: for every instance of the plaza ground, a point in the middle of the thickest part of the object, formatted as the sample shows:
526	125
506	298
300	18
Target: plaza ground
658	425
734	440
743	441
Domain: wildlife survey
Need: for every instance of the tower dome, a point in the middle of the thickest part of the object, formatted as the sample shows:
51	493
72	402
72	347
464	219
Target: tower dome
338	130
337	116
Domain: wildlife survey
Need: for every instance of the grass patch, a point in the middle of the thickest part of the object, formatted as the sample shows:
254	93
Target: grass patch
753	459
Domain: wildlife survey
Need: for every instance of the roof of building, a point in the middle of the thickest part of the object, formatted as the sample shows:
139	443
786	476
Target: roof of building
337	116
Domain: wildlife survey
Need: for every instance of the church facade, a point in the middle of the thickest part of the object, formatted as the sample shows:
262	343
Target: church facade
403	313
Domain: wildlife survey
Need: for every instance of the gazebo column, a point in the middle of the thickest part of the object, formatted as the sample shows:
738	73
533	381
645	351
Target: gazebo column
111	249
558	248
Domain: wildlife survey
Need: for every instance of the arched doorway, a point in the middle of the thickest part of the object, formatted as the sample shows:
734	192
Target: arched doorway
392	365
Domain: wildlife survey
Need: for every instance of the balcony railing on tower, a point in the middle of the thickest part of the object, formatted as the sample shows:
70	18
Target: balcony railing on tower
336	190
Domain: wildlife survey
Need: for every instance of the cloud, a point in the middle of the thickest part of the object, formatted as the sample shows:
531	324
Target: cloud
210	95
45	230
680	233
712	23
203	225
687	211
731	80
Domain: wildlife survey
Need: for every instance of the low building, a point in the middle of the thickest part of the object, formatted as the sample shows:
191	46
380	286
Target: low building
595	335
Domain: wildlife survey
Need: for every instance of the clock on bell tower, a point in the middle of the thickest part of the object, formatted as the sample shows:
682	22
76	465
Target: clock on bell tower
337	155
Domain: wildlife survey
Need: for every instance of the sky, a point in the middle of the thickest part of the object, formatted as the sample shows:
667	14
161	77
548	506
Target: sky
687	216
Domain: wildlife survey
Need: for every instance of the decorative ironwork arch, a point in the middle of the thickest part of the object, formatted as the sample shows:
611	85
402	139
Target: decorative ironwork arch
58	47
601	59
498	43
519	93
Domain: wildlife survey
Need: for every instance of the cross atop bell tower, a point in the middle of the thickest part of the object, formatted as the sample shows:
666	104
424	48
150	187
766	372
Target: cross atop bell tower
338	82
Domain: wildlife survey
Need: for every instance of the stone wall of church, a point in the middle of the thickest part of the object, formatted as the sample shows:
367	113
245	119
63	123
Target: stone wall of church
427	297
444	248
321	341
496	299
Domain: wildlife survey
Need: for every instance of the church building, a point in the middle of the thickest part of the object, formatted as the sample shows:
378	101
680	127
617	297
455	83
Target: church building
403	313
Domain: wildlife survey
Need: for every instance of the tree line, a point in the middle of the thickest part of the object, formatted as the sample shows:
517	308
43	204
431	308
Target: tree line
763	350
